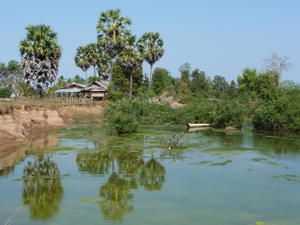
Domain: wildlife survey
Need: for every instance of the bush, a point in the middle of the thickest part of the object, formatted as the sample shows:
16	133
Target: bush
5	92
122	124
220	114
198	112
281	114
142	110
228	114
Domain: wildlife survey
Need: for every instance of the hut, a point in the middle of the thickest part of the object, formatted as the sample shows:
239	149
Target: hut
96	91
72	92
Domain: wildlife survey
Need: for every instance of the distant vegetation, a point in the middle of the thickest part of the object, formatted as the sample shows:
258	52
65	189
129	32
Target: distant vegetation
259	98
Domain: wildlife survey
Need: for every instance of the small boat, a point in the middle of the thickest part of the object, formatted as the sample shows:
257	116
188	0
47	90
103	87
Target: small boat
198	125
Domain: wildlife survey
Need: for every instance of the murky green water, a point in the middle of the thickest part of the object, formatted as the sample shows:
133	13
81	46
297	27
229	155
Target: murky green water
216	178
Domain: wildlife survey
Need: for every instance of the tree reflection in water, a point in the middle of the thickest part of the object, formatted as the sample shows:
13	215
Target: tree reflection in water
117	198
42	189
152	175
128	171
94	163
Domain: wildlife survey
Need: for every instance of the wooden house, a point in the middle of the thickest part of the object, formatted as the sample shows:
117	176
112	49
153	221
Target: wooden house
96	91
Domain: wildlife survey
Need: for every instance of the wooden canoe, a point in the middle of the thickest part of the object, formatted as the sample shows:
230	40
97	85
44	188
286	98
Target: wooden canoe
198	125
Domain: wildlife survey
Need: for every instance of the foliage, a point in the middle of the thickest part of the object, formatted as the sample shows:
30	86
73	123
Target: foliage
228	114
121	83
151	47
220	114
132	112
162	81
5	92
129	61
82	59
113	34
279	114
173	141
40	56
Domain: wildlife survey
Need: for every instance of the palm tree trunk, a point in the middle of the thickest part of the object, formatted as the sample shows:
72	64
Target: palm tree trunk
110	72
130	90
150	76
86	77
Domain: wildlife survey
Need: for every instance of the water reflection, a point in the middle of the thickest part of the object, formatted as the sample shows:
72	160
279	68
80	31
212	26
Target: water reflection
94	163
152	175
127	171
278	146
117	197
42	189
12	156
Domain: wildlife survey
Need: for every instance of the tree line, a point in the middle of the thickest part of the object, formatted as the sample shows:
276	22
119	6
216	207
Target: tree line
116	45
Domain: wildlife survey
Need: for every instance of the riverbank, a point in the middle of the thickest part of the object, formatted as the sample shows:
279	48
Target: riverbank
27	121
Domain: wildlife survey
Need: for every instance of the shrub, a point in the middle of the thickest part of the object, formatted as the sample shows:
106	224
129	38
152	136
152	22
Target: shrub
123	123
281	114
5	92
228	113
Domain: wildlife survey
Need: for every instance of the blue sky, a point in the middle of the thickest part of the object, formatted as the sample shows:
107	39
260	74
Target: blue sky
217	36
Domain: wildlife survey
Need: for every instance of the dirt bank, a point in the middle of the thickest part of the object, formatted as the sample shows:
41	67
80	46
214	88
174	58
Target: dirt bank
26	122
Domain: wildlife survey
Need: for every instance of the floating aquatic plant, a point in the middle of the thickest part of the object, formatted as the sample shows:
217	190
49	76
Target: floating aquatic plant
173	141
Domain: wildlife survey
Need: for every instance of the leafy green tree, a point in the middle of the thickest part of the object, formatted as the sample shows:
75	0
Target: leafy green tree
121	82
199	84
113	34
13	80
247	81
220	84
93	79
151	48
162	80
78	79
130	60
233	89
266	86
40	56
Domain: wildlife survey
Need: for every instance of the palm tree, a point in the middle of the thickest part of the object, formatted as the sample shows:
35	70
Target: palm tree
93	55
130	60
151	47
113	34
82	60
40	56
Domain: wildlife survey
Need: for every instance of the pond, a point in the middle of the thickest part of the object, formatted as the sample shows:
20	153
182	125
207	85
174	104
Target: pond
82	175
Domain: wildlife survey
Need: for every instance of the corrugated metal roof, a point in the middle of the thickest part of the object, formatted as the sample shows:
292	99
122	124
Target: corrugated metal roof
68	90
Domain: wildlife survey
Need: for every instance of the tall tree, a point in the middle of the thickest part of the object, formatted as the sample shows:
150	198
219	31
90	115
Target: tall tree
162	80
200	84
82	60
11	76
93	55
113	34
151	48
277	65
130	60
40	56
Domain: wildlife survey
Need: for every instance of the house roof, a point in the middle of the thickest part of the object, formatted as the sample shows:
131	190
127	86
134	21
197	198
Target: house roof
100	86
76	85
68	90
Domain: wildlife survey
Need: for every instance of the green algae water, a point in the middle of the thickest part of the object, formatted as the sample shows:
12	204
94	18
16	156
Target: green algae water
82	176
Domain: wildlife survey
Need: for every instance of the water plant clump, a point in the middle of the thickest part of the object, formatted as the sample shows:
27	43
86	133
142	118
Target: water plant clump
173	141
